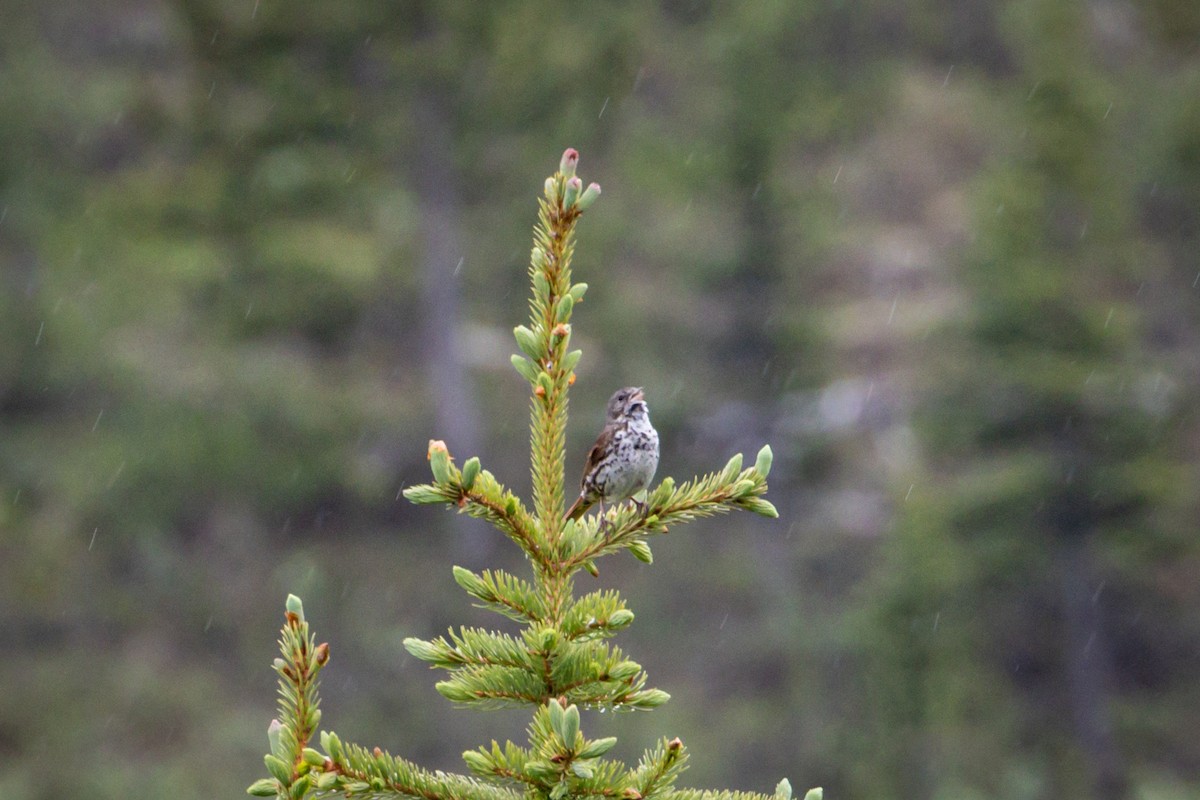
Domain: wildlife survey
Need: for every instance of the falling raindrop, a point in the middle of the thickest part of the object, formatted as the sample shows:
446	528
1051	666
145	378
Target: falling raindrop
116	475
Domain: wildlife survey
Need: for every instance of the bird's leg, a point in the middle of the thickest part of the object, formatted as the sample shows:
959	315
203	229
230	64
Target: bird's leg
604	523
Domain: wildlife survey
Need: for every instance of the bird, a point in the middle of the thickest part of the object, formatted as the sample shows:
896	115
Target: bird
624	458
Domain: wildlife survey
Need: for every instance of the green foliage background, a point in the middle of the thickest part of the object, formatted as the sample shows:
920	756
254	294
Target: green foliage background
942	256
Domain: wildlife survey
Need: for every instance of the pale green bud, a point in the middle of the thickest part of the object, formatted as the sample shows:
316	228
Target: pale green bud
439	460
588	197
478	762
555	712
732	468
300	788
571	193
762	464
527	368
424	494
641	551
783	790
760	506
264	787
815	794
425	651
540	285
570	360
597	747
624	670
570	725
578	291
648	698
529	342
454	692
470	472
275	737
279	769
468	580
565	305
621	618
295	606
332	745
568	162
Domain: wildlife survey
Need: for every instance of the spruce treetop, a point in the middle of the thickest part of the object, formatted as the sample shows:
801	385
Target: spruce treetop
562	658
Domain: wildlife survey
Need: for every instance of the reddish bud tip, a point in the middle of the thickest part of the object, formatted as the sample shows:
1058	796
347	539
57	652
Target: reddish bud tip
675	744
322	653
570	159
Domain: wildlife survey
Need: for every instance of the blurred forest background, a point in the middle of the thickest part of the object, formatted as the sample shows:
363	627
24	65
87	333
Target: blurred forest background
942	256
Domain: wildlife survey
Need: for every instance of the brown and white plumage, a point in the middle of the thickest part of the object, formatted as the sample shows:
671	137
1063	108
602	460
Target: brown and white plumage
624	458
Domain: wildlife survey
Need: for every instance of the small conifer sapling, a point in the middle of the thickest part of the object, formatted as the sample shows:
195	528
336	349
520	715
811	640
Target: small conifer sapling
562	660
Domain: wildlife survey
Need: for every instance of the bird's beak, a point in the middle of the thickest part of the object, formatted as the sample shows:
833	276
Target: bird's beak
637	394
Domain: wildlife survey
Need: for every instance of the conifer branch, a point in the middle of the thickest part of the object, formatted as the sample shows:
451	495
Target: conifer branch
476	492
378	774
659	768
666	505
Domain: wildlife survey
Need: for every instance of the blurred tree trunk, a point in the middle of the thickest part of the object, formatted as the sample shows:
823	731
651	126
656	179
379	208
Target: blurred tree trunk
1088	669
441	261
442	255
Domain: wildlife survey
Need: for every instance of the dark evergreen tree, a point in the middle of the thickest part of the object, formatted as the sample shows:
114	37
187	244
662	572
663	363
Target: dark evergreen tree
1046	464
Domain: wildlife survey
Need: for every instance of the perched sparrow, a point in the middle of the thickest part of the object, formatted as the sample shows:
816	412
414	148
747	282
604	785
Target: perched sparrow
623	459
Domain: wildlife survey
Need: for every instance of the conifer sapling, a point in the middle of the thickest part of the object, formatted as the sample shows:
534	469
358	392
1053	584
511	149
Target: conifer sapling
562	659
